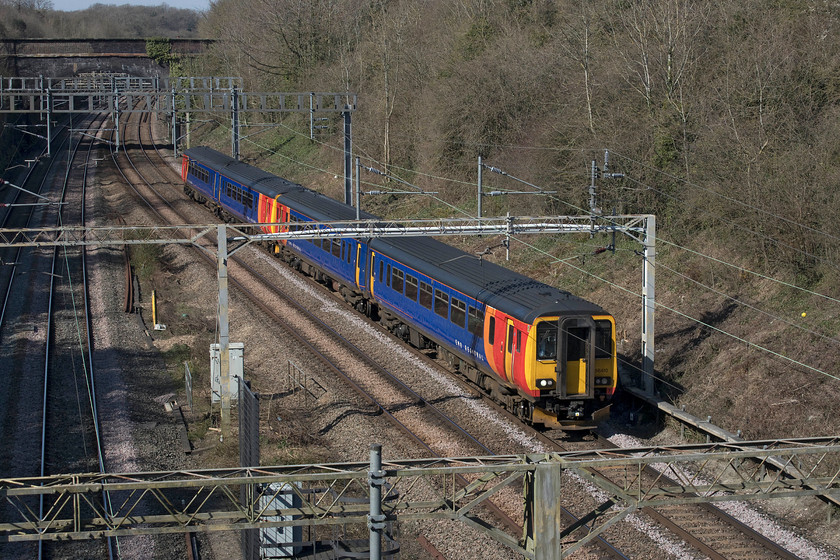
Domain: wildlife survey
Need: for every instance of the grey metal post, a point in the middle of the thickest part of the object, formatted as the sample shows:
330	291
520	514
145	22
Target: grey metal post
507	236
480	175
174	126
594	172
376	520
348	158
234	106
224	329
358	192
547	511
49	121
117	118
649	304
312	115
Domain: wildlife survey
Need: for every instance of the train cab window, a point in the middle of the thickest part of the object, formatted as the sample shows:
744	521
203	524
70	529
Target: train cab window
458	315
492	337
510	339
546	341
426	295
441	303
603	339
475	322
397	278
411	287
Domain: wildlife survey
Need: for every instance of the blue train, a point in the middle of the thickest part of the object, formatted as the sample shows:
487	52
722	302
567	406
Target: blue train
502	330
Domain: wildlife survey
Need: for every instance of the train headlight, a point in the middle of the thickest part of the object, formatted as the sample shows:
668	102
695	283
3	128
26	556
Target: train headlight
603	381
547	383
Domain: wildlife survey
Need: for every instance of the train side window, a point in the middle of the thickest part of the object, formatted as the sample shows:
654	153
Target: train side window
492	329
388	275
336	247
458	315
397	278
518	341
475	322
441	303
546	340
603	339
425	295
349	252
381	268
510	338
411	287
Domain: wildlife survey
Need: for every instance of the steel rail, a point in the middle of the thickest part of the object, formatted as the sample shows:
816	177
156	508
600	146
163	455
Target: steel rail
48	333
8	215
328	361
693	540
510	523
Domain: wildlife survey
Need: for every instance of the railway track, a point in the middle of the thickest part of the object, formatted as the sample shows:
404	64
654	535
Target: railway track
692	523
704	527
45	340
380	387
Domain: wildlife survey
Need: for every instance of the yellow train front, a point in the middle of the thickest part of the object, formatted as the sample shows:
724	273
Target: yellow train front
499	328
573	392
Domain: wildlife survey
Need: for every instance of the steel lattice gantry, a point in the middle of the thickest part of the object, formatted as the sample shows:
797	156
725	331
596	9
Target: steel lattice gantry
166	102
120	94
420	489
633	225
106	81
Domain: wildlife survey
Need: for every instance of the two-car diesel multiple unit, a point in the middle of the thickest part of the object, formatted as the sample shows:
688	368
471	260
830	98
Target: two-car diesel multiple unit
502	330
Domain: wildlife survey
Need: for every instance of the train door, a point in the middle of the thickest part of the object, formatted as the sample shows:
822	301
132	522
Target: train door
372	277
360	267
283	217
576	357
509	350
274	215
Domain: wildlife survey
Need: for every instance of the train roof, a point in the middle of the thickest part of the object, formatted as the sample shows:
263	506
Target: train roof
254	177
499	287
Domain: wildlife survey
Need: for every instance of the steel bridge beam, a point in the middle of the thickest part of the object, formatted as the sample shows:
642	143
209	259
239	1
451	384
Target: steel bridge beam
108	81
247	233
418	489
163	102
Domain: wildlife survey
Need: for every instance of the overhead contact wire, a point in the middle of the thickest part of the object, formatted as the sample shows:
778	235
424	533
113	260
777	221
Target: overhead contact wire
680	313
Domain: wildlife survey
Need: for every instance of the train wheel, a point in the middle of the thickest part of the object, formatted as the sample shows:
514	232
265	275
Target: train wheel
361	306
